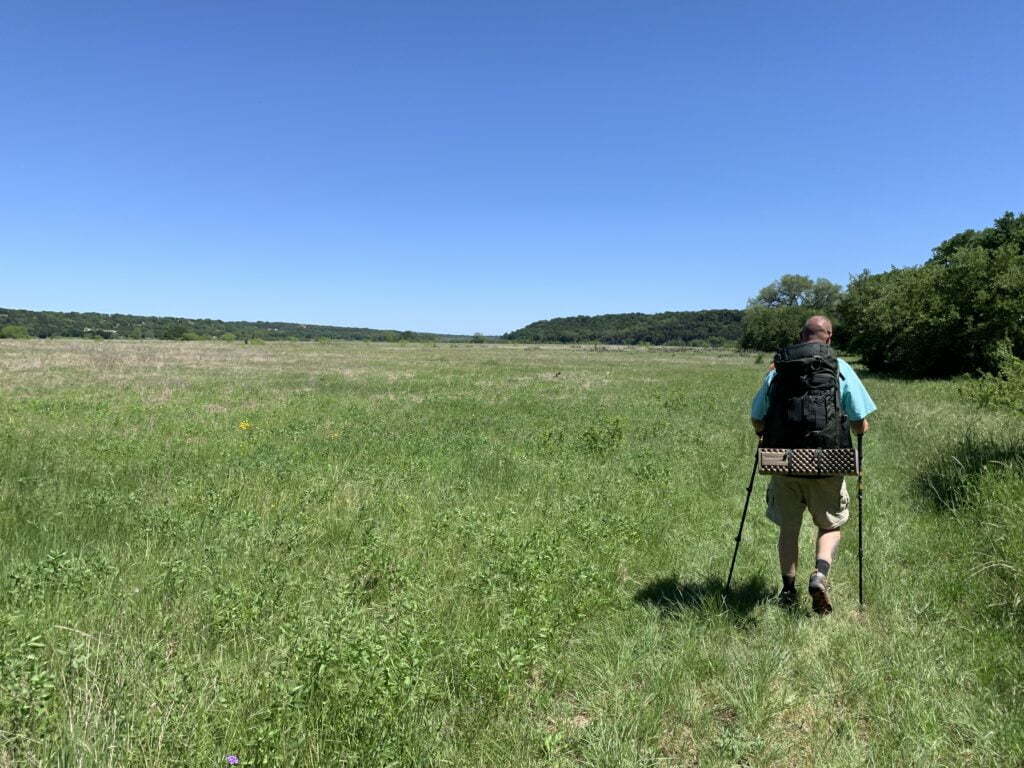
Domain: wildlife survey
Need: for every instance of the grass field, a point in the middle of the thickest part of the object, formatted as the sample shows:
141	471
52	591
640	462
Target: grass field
355	554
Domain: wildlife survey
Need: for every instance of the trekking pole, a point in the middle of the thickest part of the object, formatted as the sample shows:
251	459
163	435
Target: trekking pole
860	517
750	488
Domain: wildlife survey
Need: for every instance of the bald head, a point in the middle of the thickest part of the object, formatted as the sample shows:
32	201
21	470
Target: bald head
817	328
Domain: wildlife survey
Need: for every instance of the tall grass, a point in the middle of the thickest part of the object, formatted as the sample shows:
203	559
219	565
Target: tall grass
477	555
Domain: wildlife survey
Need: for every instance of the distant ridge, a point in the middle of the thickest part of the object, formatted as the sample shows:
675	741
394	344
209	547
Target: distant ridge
708	326
96	324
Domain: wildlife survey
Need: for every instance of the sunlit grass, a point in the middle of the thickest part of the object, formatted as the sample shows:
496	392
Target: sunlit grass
370	554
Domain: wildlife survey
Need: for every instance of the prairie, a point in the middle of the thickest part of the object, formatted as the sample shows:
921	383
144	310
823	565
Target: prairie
475	555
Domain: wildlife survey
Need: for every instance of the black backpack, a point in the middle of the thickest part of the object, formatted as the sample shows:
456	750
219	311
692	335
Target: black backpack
805	407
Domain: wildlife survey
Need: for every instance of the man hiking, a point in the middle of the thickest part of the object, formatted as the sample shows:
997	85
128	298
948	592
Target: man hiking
796	409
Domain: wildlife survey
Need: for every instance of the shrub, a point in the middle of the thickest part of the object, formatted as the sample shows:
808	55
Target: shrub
12	331
1002	390
953	314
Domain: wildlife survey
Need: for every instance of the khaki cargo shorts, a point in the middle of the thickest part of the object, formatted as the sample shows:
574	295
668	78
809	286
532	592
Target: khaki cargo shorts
825	497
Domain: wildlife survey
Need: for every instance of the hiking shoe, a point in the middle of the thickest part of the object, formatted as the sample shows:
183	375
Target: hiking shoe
787	597
819	594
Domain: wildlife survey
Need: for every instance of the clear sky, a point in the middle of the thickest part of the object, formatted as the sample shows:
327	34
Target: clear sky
474	166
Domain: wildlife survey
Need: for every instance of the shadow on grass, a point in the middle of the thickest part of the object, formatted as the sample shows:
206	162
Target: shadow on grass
975	479
949	481
672	597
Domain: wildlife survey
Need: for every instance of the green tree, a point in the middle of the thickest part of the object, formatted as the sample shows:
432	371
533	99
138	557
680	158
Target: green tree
771	328
787	291
774	317
635	328
824	295
174	332
12	331
956	313
799	291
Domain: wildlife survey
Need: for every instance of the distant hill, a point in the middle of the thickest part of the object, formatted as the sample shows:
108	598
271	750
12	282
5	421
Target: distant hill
92	324
708	326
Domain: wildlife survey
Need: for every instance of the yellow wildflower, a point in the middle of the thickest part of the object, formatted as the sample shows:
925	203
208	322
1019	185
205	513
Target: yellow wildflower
245	424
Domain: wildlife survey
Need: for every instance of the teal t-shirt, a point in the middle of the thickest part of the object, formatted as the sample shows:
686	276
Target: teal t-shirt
857	403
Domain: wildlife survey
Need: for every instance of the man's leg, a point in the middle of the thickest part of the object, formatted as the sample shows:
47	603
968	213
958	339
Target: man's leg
786	510
789	554
789	551
829	503
826	550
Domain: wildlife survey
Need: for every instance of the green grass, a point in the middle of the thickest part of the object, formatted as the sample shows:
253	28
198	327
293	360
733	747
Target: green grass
480	555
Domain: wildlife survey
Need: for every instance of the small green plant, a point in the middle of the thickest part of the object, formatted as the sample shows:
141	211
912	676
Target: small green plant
1001	390
601	436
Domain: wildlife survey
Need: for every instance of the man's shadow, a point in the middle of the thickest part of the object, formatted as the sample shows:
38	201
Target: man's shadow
672	596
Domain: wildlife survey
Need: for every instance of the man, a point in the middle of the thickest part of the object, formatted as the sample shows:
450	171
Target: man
825	497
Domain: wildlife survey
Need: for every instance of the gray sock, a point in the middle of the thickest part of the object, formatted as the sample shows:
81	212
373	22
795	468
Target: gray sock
822	566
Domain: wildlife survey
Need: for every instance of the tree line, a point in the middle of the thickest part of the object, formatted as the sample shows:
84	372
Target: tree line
961	311
25	323
711	327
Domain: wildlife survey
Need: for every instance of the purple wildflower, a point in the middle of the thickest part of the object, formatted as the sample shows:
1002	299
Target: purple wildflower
232	759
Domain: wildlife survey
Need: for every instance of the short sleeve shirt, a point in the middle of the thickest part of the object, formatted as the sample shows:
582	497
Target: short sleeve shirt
857	403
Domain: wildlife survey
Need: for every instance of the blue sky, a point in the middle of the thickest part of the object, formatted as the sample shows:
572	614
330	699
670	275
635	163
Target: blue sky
475	166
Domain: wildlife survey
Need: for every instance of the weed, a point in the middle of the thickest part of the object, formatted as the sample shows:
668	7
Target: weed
601	436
